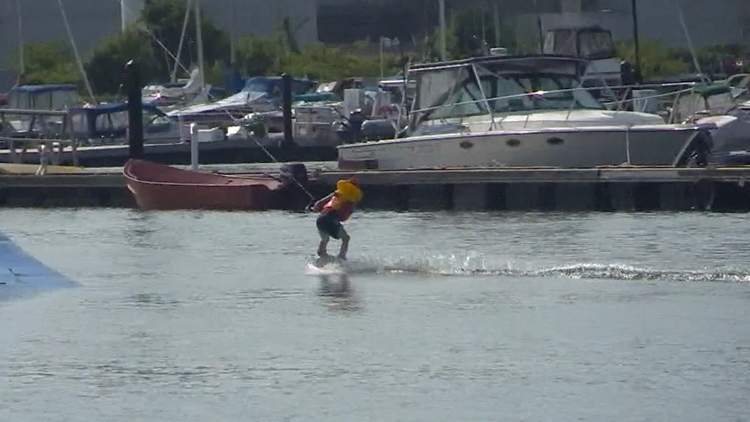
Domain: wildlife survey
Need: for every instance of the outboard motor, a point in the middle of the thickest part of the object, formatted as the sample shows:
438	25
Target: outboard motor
356	119
293	195
349	129
627	75
698	152
731	140
291	172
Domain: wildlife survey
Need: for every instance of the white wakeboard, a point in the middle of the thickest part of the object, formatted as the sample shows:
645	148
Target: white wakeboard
330	266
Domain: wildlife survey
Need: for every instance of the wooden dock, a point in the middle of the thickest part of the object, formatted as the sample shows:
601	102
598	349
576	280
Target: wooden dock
484	189
178	153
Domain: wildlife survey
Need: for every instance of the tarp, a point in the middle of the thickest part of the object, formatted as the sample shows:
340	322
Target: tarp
22	274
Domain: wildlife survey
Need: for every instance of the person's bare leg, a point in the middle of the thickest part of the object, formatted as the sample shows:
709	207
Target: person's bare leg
323	246
344	244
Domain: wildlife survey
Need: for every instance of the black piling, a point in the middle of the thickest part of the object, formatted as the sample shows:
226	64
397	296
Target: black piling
286	108
135	110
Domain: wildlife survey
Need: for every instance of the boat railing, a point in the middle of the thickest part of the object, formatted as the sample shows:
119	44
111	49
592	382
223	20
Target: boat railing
627	102
42	129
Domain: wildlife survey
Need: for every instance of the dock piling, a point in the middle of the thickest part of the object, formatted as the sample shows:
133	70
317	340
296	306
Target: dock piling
575	196
286	110
135	110
470	197
194	144
523	196
622	196
432	197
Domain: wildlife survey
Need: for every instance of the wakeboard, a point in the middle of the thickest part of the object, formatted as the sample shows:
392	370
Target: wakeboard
326	266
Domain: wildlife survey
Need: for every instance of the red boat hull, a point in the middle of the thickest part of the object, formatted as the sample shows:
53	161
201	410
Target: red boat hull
162	187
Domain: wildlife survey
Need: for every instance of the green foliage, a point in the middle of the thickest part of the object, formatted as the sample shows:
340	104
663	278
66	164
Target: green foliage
164	19
258	56
656	60
214	75
710	57
318	61
264	56
48	62
431	46
469	32
105	67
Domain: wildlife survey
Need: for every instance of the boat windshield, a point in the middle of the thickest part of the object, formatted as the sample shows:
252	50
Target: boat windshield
272	86
465	92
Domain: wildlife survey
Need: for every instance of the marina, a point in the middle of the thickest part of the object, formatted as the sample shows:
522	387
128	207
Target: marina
539	210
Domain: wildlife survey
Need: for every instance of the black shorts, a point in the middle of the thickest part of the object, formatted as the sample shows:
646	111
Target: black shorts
329	225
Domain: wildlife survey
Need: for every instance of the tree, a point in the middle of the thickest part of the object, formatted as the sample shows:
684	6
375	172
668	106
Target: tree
259	56
105	68
164	20
656	60
470	32
48	62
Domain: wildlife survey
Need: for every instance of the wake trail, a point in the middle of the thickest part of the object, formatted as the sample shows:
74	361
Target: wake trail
476	266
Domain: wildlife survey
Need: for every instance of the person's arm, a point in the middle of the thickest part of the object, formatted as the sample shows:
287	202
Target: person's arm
319	204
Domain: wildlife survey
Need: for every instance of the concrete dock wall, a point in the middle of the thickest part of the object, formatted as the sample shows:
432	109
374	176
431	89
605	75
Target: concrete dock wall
639	189
560	197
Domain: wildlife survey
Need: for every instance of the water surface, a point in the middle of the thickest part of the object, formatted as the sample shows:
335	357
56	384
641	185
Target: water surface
467	316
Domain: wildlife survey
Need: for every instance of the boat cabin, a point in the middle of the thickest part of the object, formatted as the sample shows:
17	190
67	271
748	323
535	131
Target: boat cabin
272	86
43	97
495	85
110	121
591	43
261	94
586	42
330	91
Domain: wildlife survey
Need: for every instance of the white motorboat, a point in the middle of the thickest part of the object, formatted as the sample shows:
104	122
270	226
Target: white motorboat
525	111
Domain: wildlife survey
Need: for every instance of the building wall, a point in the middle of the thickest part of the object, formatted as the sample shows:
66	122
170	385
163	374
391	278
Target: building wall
744	18
90	20
345	21
658	20
342	21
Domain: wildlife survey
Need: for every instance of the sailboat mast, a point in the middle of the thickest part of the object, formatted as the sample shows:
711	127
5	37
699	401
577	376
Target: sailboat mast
232	53
443	29
173	76
199	36
79	62
21	52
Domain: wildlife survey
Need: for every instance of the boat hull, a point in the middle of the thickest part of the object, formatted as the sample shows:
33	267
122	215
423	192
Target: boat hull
161	187
560	148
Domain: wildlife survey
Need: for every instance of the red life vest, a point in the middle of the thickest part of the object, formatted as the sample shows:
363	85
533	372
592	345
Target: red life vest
343	209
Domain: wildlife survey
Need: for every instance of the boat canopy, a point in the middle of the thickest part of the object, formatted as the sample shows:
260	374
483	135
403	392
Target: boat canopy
43	97
588	42
498	85
110	120
255	89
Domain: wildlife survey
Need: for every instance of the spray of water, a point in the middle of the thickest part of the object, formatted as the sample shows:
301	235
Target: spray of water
475	264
